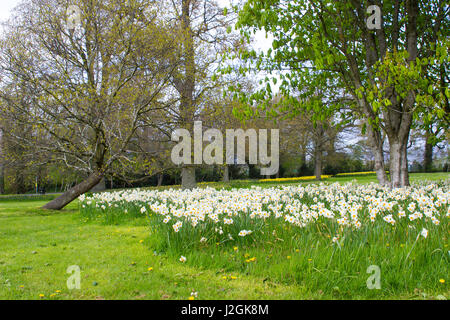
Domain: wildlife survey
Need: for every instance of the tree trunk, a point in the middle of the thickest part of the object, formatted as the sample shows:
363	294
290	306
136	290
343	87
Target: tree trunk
226	173
404	174
428	154
376	145
160	179
186	87
188	178
101	186
303	157
395	159
2	178
319	133
74	192
20	181
318	163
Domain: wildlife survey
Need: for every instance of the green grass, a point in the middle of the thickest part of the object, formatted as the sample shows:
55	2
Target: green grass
38	246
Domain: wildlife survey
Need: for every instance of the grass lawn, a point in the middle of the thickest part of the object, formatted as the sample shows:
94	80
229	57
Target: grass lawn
125	261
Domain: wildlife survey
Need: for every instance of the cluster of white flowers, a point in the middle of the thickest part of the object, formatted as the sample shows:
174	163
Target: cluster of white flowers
244	233
350	205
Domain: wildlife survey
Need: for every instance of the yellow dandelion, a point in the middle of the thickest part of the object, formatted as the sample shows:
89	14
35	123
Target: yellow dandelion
233	278
191	298
288	257
150	269
441	280
235	248
141	241
41	295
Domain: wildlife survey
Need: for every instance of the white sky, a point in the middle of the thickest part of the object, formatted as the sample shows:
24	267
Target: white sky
5	8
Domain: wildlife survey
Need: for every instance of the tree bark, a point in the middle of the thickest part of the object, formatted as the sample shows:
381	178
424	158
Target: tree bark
428	154
226	173
318	163
20	180
160	179
188	177
101	186
187	87
2	178
74	192
404	174
395	158
376	144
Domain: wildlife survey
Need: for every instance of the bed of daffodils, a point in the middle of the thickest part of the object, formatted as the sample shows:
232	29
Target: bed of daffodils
331	212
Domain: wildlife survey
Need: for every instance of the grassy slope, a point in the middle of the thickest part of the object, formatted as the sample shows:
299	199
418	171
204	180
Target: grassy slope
38	246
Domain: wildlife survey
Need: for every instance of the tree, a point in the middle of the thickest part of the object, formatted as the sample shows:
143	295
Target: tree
383	70
84	78
204	25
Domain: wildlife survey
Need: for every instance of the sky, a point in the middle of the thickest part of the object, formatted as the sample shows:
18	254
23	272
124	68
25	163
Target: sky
5	8
261	43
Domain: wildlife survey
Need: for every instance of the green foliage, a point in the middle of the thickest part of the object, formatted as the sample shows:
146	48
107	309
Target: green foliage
324	45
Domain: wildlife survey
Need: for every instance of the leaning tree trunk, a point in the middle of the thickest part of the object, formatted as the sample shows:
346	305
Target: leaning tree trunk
74	192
